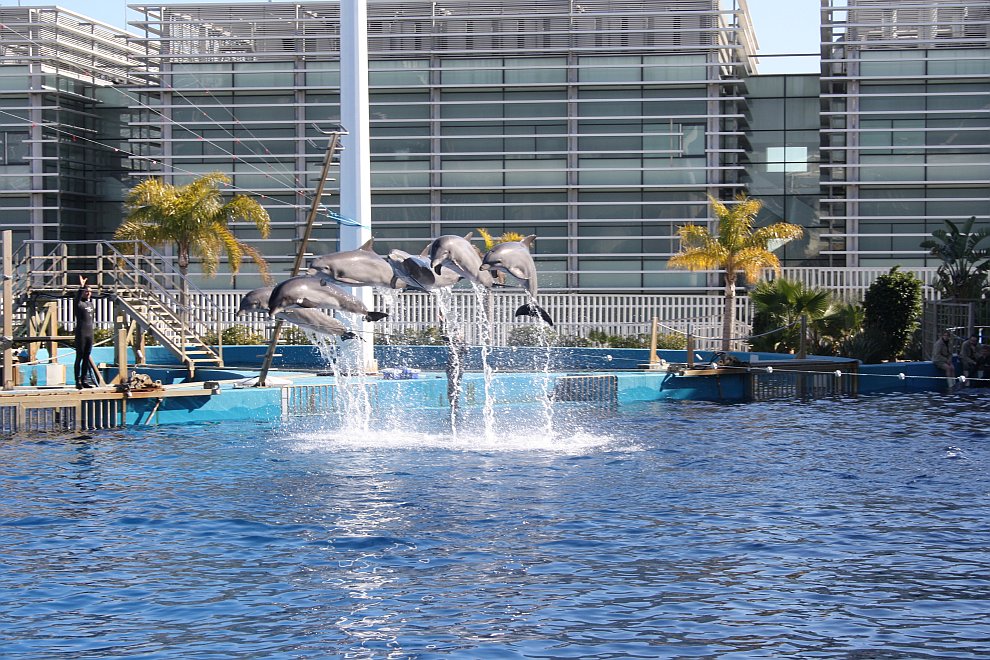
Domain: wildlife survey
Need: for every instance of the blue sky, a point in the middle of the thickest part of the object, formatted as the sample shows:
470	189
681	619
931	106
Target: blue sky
782	26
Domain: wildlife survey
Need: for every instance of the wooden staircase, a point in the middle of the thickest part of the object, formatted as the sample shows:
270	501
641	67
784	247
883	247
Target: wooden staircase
145	289
161	321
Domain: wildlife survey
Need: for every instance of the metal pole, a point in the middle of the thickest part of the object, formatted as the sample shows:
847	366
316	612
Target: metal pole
803	342
653	343
355	170
301	252
8	309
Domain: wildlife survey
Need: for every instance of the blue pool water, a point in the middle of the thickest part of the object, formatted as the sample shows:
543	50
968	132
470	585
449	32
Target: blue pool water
854	529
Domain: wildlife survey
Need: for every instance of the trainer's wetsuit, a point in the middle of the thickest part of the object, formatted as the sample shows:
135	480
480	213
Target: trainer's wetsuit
84	310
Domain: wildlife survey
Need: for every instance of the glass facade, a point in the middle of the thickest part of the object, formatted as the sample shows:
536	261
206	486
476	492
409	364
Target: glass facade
599	126
62	122
906	126
784	157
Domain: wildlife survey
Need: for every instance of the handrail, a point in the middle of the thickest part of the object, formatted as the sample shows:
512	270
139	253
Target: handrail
132	265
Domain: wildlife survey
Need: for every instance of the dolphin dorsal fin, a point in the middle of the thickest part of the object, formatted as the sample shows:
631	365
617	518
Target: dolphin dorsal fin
368	245
467	236
426	250
528	241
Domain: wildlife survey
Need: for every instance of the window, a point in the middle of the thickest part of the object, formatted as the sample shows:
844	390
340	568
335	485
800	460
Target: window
787	159
13	148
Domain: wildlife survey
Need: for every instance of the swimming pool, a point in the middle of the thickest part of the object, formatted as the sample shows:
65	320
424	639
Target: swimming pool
853	528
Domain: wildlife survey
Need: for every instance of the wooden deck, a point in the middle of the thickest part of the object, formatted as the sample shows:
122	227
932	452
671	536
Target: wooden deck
50	409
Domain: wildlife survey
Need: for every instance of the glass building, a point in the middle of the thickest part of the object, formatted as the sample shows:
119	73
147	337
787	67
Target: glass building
600	126
905	125
63	123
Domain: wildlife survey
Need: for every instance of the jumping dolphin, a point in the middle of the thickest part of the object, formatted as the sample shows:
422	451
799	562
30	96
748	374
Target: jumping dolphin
308	319
514	258
255	300
415	271
316	321
313	291
360	267
457	254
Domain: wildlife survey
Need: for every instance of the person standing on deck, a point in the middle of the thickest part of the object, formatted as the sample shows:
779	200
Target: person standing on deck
85	312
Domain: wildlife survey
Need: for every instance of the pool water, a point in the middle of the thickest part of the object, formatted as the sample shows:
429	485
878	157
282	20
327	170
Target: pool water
854	528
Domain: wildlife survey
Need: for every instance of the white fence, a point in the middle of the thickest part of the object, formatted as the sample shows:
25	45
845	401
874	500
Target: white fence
850	284
574	314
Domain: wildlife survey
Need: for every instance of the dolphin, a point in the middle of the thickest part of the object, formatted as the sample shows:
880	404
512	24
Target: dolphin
255	300
457	254
514	258
415	271
313	291
360	267
316	321
308	319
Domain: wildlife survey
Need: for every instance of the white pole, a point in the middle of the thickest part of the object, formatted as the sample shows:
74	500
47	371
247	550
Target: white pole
355	159
7	275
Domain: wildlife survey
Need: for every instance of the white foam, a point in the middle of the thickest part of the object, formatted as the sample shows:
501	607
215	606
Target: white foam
579	442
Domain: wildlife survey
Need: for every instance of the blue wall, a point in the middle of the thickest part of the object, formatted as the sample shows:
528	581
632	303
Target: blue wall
243	360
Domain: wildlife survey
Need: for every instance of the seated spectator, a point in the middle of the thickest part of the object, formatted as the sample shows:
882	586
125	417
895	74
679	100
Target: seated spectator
942	358
982	366
967	355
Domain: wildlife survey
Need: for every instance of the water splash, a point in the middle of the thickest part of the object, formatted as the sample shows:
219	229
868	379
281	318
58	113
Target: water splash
484	321
519	430
351	398
546	382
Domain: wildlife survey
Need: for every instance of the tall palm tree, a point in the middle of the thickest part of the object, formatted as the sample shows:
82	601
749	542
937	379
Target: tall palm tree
196	219
965	260
736	246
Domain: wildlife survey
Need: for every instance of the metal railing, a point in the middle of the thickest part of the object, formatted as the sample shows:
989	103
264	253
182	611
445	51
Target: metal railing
131	273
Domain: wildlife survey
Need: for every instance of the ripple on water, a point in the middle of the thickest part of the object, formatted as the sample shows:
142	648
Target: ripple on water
828	529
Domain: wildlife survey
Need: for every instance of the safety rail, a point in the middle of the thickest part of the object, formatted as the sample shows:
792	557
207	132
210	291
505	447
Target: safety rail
144	284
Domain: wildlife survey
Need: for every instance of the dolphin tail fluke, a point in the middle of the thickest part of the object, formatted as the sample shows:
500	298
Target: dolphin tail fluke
532	309
348	335
375	316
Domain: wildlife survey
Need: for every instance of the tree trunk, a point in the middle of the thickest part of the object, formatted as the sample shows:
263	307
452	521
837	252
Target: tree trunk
729	311
183	263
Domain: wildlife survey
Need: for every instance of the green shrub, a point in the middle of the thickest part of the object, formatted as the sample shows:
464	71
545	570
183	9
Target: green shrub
426	337
667	342
235	335
671	342
294	335
892	307
533	335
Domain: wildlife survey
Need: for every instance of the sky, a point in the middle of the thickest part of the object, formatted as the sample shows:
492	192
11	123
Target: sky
783	27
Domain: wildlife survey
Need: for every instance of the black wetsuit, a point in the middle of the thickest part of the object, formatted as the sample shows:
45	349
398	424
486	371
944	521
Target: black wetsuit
84	311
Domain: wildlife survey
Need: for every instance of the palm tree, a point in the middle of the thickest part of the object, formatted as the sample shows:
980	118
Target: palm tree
194	218
963	273
492	241
779	306
737	247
